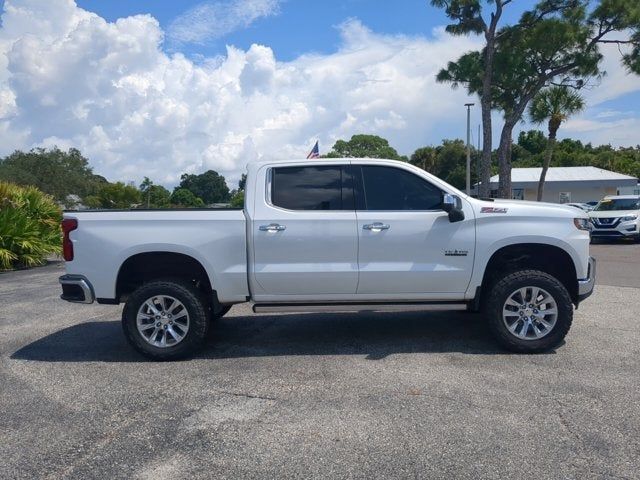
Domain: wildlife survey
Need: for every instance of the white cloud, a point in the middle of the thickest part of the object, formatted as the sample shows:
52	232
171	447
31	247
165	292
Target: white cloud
69	77
110	90
212	20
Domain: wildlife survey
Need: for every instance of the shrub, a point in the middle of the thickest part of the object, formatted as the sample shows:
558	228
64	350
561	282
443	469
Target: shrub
29	226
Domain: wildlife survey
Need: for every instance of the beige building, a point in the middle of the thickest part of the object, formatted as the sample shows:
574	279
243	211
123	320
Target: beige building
566	184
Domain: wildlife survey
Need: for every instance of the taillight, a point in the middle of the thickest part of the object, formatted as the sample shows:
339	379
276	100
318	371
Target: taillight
68	225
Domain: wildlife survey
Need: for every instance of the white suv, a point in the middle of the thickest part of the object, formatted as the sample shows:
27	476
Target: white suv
616	217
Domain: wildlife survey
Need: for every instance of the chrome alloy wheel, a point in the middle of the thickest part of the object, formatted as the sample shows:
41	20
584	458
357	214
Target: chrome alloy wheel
530	313
163	321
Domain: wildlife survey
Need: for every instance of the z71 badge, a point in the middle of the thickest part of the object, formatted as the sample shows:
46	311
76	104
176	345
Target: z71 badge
456	253
493	210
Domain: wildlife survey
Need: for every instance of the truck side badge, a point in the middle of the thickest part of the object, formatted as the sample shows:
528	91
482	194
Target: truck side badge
456	253
493	210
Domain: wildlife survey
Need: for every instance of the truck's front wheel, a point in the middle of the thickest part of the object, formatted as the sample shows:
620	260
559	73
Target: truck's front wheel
165	320
529	311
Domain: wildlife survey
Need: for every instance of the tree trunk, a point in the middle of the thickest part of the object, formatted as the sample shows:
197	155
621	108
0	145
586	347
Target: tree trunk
485	165
504	161
504	149
547	160
485	104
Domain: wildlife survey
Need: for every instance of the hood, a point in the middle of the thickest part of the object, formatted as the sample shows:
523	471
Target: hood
524	207
612	213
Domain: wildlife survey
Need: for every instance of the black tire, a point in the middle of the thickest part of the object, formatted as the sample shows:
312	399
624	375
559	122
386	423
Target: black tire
502	290
193	303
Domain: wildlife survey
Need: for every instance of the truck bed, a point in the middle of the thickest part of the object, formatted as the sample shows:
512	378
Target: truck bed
216	237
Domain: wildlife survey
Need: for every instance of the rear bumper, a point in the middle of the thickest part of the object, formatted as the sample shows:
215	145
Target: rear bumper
76	289
585	285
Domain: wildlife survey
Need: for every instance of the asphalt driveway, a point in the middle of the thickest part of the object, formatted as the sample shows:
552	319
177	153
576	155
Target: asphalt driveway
388	395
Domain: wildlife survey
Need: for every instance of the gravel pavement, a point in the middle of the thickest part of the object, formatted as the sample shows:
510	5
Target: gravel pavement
385	395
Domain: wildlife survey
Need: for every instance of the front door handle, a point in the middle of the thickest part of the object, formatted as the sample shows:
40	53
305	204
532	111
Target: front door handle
375	227
272	227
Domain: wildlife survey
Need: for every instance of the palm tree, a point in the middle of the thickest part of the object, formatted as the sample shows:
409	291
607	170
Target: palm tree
554	105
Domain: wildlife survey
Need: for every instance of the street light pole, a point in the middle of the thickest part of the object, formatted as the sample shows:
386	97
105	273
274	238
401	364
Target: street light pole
469	105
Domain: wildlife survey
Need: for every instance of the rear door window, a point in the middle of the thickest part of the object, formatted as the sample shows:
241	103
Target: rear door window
312	188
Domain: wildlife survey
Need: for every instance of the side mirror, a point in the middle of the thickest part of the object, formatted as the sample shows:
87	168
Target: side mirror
453	206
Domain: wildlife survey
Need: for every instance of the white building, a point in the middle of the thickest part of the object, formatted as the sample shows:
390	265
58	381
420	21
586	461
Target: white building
567	184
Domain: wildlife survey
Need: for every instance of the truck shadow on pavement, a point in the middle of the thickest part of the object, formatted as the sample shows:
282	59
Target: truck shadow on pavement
375	335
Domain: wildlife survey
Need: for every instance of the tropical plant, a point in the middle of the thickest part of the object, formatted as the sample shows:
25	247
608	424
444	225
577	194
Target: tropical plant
553	105
29	226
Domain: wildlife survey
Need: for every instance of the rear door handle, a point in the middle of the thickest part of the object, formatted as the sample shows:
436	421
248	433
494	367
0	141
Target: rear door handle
376	227
272	227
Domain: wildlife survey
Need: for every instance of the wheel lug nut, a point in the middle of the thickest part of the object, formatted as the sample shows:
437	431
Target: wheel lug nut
158	324
170	323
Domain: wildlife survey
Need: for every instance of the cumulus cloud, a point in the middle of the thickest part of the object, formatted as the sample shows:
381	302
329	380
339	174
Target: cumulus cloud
70	78
212	20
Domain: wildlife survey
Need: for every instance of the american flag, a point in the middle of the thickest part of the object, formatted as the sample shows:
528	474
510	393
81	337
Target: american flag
314	153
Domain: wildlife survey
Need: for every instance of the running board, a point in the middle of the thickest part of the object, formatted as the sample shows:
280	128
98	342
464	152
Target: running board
355	307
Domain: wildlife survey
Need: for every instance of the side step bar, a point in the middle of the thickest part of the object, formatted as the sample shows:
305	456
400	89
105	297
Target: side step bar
355	307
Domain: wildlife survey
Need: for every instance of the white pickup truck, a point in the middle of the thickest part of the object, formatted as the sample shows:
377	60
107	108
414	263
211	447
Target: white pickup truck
333	235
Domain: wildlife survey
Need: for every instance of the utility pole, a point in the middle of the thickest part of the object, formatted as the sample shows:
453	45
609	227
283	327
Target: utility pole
478	165
469	105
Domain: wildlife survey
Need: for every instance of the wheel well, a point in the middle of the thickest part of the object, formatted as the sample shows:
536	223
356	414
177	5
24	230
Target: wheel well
145	267
535	256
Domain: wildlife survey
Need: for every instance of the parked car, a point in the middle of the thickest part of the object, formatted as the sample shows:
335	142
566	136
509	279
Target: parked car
334	235
582	206
616	217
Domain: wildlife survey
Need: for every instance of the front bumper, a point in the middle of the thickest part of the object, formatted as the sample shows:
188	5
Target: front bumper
617	229
585	285
77	289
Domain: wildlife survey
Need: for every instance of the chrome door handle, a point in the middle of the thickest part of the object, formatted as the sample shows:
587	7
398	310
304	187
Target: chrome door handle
376	227
272	227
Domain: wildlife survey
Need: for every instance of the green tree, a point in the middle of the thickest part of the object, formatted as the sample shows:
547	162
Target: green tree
182	197
237	200
154	196
558	41
553	105
533	141
468	18
425	158
55	172
365	146
113	196
209	186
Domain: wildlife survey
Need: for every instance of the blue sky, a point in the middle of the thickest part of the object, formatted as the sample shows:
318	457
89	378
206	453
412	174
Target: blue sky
301	26
192	85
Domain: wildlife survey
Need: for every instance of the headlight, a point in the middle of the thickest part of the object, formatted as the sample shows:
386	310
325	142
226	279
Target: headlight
581	223
629	218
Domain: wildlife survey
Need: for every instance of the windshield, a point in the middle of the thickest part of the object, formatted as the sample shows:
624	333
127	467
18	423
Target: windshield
608	205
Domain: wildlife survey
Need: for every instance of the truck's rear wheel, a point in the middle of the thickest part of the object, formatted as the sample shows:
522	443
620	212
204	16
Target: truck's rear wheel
165	320
529	311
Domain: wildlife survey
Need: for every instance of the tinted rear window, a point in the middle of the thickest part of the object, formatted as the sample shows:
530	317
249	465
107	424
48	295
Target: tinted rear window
309	188
389	188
